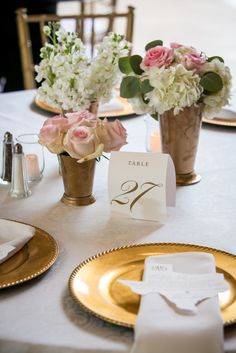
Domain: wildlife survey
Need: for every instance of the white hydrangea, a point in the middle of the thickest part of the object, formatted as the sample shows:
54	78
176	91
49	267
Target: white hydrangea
139	107
215	102
174	88
69	80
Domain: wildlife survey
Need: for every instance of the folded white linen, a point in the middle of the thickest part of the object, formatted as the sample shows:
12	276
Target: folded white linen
227	114
162	328
113	105
13	236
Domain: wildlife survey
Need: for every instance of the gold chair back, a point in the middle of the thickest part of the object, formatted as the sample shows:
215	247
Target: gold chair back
25	41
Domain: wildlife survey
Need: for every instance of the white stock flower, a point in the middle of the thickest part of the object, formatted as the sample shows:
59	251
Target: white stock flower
46	30
104	71
70	81
61	35
139	106
174	88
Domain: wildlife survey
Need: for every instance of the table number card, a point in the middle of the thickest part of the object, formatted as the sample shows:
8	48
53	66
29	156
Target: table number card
141	185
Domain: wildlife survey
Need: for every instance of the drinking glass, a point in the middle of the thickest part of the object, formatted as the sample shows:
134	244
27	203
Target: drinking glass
34	155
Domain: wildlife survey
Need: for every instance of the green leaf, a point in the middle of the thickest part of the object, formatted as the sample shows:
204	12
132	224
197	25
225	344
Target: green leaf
145	100
135	61
129	87
146	87
155	116
211	82
153	44
215	57
124	65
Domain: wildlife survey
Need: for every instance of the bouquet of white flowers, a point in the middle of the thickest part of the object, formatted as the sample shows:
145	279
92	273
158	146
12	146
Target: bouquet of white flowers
70	81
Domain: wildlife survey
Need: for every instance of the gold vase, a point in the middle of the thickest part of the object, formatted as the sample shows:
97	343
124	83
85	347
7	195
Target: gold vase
179	138
78	181
93	108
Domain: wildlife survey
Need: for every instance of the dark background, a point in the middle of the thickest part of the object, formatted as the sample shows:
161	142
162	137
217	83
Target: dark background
10	62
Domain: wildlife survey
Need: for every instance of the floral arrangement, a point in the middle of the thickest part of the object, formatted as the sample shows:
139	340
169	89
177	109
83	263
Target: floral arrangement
82	135
70	80
174	77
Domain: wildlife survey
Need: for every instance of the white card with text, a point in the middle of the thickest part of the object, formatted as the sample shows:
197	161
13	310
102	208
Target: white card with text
141	185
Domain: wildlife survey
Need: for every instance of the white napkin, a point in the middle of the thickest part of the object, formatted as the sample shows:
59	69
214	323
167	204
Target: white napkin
13	236
113	105
162	328
226	113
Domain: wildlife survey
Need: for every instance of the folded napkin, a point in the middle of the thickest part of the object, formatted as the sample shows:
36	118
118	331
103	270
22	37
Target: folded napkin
113	105
162	327
13	236
227	114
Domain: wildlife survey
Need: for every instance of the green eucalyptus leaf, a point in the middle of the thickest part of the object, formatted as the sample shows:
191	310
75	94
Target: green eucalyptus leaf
155	116
146	87
129	87
124	65
144	99
135	61
211	82
153	44
215	57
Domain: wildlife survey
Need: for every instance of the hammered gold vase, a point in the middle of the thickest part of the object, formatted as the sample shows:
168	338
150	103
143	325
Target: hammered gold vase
78	181
179	138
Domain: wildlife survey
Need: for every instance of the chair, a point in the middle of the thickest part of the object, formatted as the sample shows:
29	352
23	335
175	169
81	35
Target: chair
24	22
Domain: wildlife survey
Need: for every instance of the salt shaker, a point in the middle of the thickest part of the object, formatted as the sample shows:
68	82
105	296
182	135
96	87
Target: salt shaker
19	184
7	158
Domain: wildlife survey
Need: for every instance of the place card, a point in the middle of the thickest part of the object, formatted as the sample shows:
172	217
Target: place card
141	185
185	290
182	289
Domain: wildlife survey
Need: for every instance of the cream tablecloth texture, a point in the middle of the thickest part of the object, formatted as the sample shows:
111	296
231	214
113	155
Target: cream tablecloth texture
41	312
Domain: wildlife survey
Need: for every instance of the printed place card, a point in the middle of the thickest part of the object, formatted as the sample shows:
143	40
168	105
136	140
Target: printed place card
182	289
141	185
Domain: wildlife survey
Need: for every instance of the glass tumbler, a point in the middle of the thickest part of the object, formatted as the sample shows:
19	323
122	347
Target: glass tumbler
34	155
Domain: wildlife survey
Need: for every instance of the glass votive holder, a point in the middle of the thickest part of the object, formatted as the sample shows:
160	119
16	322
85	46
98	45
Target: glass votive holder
34	155
153	137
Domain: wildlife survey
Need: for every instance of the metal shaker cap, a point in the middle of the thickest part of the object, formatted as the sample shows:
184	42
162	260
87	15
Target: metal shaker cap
7	137
18	148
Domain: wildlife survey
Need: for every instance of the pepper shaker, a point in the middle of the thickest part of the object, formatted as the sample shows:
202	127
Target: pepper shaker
19	184
7	158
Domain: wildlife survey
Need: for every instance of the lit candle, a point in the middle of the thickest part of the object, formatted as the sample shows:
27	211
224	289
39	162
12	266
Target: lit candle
32	166
155	142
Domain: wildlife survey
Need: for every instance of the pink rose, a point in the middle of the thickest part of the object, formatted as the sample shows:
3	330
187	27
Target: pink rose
77	117
158	56
112	134
175	45
80	141
193	61
52	132
59	121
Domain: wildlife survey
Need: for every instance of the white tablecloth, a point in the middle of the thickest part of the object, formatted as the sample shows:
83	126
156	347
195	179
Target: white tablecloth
41	311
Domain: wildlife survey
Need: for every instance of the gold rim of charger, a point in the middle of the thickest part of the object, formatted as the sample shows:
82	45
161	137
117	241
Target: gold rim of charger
192	247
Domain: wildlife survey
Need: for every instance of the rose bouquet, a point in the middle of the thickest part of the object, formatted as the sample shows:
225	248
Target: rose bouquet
69	80
82	135
172	78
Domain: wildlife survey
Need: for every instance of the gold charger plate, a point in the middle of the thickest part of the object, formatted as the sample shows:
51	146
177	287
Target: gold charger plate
226	117
36	257
93	284
127	108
